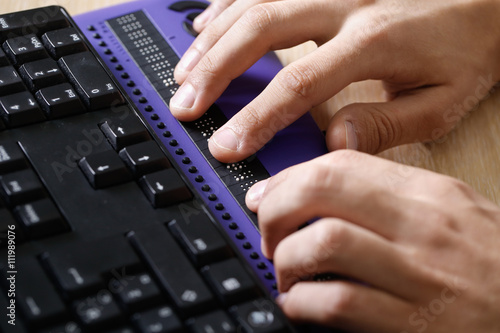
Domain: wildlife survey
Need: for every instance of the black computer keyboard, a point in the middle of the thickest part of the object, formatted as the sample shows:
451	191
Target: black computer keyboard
100	232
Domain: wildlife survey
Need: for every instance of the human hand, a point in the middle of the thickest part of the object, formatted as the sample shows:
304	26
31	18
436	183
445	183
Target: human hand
423	247
437	59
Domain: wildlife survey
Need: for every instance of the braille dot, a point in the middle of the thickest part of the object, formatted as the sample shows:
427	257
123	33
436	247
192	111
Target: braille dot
161	125
199	179
173	143
179	151
219	206
240	235
261	265
226	216
186	160
205	188
155	116
254	255
247	245
212	197
167	134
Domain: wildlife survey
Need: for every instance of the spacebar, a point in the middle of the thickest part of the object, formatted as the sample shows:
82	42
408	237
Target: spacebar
173	269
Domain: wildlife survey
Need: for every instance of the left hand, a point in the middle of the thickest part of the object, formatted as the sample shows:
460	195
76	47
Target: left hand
420	251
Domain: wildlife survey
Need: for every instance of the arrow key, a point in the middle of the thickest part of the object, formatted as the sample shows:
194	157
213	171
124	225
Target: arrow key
144	157
104	169
164	188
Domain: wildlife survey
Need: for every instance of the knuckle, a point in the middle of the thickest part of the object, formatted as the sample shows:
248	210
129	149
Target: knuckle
299	80
208	66
329	236
260	17
386	133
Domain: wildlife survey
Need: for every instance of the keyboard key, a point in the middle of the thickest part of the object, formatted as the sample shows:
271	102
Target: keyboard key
20	109
40	219
172	269
231	281
41	73
137	292
259	316
32	21
94	85
125	133
3	58
11	157
98	311
200	238
164	188
144	157
37	299
63	42
59	101
68	327
213	322
104	169
21	187
78	266
24	48
7	222
10	81
159	320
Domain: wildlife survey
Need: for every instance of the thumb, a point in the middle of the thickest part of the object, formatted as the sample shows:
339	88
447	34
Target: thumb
423	115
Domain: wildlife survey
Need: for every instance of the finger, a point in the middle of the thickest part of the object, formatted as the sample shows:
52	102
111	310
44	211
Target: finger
341	185
374	127
209	14
212	33
335	246
262	28
346	305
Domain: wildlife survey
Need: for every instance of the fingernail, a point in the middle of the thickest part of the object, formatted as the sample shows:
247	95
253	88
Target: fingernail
281	299
351	141
256	191
202	19
189	60
226	139
184	97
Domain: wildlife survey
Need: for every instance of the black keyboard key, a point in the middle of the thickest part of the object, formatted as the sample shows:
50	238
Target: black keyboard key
121	330
32	21
3	58
159	320
213	322
63	42
98	311
180	6
259	316
10	81
68	327
201	239
21	187
11	157
137	292
36	298
20	109
164	188
93	84
144	157
78	267
172	268
40	219
104	169
125	133
231	281
41	73
59	101
24	48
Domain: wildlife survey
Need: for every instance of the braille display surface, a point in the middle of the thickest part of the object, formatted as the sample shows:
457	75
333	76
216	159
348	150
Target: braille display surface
157	61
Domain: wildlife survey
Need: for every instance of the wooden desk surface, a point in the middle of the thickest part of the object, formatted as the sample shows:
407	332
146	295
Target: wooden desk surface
471	152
